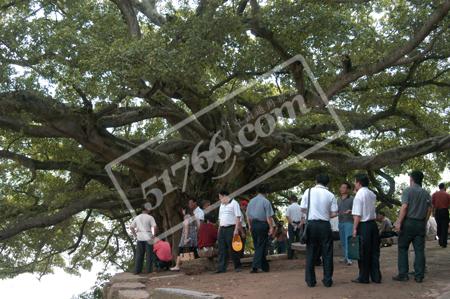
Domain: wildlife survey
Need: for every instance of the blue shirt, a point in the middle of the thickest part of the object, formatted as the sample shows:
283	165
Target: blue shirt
259	208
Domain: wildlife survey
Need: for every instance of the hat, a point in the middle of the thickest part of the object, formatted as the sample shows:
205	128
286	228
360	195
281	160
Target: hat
237	243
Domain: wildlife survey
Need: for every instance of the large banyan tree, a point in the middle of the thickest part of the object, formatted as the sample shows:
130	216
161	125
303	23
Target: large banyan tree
84	82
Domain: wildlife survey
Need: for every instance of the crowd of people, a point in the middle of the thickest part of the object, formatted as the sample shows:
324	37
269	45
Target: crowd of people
318	219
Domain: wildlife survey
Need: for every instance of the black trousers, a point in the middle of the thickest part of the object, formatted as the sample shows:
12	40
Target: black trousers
320	240
369	262
143	249
162	265
225	240
442	220
294	236
260	235
412	231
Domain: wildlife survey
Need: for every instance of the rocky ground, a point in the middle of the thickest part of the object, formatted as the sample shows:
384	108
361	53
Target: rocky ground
286	280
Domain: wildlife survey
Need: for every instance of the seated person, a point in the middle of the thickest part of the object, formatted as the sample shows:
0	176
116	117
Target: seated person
207	237
280	238
163	253
385	229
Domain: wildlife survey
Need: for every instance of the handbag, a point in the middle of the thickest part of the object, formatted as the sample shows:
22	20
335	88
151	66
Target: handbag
353	248
304	234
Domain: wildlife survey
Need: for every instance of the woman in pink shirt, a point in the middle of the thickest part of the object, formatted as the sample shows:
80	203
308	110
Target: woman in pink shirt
163	254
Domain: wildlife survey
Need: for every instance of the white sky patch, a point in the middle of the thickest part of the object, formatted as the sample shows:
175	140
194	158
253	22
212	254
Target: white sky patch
59	285
404	178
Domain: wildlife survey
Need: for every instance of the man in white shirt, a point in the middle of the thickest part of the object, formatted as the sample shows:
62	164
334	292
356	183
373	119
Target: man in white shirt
229	226
322	207
294	216
198	212
143	227
364	225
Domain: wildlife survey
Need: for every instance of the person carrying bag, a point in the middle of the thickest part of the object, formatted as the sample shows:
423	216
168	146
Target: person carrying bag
320	205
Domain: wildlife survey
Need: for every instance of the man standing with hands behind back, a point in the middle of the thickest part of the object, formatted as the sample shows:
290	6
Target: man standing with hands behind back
260	223
411	225
294	216
364	225
143	228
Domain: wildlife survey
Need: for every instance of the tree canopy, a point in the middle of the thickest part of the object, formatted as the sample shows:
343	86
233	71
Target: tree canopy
84	82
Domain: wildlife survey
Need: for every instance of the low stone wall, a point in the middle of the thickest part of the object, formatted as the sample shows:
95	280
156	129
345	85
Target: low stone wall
171	293
125	290
130	286
199	266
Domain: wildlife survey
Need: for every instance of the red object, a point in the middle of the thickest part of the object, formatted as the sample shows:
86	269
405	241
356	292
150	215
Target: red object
163	251
207	235
440	200
244	203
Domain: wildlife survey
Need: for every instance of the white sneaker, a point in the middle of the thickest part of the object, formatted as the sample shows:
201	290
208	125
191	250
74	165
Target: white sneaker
349	263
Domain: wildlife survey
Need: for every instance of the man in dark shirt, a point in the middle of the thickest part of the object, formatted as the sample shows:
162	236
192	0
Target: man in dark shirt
441	203
411	225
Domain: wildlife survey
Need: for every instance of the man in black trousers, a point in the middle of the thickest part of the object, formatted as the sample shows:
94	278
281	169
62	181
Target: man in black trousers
441	203
411	225
260	222
319	205
143	228
229	226
364	225
294	217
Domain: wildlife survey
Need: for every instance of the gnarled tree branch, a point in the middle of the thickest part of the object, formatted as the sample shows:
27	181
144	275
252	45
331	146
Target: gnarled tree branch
392	57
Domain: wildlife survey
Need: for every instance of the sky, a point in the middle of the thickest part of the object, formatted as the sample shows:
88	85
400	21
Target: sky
59	285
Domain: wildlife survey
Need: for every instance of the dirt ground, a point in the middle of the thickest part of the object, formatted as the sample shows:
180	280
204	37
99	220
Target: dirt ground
287	280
